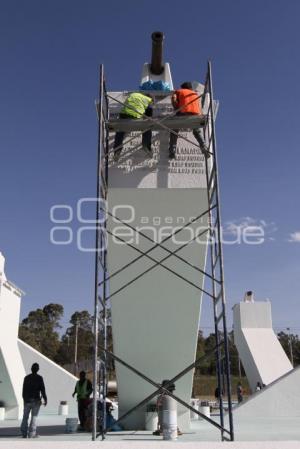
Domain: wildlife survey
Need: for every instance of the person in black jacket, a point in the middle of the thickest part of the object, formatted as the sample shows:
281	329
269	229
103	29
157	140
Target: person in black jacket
33	391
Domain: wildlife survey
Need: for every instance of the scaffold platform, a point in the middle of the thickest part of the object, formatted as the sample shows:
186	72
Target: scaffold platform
158	123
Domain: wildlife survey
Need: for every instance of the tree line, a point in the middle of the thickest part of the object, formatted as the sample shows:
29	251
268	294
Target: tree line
41	329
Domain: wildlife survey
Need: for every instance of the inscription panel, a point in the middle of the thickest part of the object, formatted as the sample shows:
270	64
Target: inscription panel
136	169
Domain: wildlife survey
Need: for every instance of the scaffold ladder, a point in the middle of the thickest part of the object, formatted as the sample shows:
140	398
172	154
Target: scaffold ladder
214	271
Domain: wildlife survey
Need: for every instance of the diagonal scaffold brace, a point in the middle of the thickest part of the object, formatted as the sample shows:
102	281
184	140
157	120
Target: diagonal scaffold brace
214	273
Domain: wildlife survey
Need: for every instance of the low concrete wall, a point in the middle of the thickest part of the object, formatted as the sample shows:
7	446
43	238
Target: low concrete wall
279	399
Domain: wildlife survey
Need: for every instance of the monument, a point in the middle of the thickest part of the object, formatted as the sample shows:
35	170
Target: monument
155	318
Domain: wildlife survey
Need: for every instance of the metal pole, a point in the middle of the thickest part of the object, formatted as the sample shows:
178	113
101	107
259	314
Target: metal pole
104	356
290	346
240	370
213	283
104	295
226	349
97	249
76	347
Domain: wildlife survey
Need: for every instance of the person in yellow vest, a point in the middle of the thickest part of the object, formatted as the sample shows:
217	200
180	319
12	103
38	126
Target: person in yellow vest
186	101
83	390
136	105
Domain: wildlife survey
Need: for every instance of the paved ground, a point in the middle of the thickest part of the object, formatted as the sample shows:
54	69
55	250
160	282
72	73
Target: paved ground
283	433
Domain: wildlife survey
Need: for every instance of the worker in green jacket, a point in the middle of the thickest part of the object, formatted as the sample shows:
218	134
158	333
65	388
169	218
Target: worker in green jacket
83	390
136	105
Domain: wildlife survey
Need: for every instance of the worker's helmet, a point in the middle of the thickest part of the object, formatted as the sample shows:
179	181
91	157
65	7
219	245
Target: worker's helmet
170	387
187	85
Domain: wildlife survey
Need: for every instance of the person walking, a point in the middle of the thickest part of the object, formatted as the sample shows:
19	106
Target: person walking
217	395
258	386
33	391
136	105
239	392
186	101
83	390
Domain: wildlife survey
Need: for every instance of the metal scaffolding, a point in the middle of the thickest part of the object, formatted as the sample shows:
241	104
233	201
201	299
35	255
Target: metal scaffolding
213	271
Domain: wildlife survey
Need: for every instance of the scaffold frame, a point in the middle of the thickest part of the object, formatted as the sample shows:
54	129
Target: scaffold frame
214	273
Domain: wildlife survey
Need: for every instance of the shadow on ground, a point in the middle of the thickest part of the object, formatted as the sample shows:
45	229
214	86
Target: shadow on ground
13	432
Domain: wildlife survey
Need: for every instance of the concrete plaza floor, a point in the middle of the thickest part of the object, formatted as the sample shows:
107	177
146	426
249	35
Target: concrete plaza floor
262	433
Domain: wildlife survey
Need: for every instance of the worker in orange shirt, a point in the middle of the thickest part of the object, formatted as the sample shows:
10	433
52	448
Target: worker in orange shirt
186	101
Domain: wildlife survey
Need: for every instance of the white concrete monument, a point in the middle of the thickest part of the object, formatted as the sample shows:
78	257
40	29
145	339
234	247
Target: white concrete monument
155	318
262	356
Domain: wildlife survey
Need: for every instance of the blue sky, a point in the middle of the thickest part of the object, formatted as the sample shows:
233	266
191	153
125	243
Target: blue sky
50	53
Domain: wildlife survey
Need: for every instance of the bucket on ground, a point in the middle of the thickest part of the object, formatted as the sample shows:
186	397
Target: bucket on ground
169	415
204	408
151	417
195	405
63	408
71	425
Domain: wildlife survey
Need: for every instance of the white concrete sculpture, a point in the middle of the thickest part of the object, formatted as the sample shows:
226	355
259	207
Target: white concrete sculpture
155	319
12	369
262	356
16	358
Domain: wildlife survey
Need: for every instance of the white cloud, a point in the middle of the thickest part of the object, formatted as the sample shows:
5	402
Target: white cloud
231	227
294	237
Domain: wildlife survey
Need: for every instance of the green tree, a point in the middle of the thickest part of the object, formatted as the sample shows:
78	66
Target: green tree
209	365
54	313
233	355
39	329
206	345
290	342
82	329
200	351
